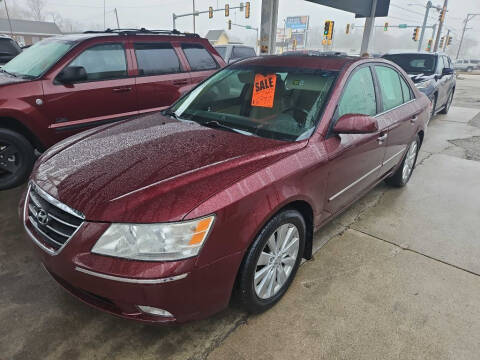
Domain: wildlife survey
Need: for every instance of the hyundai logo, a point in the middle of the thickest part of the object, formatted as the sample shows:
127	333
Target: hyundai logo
42	217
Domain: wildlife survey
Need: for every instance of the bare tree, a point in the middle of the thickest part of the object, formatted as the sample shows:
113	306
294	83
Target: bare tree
37	9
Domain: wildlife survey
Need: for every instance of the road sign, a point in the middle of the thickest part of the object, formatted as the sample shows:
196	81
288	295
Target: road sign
296	22
402	26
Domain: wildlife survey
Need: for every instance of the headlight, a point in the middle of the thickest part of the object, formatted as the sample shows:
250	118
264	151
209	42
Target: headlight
155	242
424	84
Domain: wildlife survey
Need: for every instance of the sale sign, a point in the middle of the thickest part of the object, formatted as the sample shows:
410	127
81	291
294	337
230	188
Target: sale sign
264	90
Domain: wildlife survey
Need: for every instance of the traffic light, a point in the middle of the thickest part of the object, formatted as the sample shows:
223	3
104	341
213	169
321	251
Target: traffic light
385	27
416	34
449	40
210	12
229	24
247	9
441	17
429	45
227	10
328	30
294	44
347	30
442	40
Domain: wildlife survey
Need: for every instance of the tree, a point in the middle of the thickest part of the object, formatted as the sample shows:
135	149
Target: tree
37	9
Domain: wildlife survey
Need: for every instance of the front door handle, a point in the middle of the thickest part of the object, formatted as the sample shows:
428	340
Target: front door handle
122	89
382	138
414	119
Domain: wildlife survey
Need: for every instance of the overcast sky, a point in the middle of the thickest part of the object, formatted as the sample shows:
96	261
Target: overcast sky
157	14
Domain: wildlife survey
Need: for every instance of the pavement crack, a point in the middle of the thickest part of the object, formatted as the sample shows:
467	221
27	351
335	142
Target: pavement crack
430	154
417	252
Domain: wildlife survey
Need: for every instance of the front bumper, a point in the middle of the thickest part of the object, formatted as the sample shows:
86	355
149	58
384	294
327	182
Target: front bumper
118	286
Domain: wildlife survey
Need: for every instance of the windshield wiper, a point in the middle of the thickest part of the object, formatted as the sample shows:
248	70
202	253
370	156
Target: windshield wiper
218	125
7	72
171	113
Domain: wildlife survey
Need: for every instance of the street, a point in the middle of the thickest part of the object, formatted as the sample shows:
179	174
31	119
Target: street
396	276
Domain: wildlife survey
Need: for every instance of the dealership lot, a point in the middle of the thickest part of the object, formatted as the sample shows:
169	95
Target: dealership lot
396	278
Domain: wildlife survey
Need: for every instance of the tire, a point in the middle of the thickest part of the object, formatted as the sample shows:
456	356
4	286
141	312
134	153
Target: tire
448	104
401	177
254	297
16	159
469	69
434	106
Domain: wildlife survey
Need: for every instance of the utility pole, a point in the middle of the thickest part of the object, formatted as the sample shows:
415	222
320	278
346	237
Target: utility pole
422	34
445	40
468	18
193	1
369	29
104	17
116	15
8	17
440	25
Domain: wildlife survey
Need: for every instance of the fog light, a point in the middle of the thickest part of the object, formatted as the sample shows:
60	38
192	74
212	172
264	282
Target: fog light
154	311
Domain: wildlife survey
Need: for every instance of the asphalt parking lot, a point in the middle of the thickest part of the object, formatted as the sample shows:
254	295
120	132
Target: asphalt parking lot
395	277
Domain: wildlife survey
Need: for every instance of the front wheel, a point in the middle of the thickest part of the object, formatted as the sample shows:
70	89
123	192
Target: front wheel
16	159
404	172
271	262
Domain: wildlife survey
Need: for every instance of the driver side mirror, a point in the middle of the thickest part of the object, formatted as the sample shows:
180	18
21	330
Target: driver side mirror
72	74
447	71
355	124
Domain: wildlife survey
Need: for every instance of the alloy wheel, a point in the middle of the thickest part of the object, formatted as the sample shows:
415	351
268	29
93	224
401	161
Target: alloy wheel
276	261
409	162
9	159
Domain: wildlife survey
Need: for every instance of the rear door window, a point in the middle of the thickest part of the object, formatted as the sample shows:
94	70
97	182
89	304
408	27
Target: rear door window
198	57
390	87
103	62
240	52
156	59
359	95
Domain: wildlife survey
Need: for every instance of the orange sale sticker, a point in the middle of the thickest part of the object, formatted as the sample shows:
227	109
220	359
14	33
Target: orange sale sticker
264	90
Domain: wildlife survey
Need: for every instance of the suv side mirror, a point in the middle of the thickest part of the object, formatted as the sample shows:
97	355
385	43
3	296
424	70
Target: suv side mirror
447	71
355	124
72	74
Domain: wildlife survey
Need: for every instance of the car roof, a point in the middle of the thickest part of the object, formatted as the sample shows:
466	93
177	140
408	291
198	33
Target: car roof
438	53
334	63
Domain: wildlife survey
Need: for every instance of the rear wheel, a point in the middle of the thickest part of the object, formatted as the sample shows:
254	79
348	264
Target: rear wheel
404	172
448	104
16	159
271	262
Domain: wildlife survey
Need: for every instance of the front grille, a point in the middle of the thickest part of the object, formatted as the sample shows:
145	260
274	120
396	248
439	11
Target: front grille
54	222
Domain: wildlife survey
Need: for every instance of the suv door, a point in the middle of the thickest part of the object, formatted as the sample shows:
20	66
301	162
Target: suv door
399	113
201	62
161	78
354	159
442	82
107	94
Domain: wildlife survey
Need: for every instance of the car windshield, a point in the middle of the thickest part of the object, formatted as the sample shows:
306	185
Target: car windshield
271	102
222	50
9	47
414	63
37	59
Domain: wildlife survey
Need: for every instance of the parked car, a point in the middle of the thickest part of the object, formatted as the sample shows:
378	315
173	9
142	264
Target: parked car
466	65
233	52
314	53
66	84
9	48
162	217
432	73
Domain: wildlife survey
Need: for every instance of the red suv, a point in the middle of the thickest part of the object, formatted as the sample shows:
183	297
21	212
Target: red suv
161	217
65	84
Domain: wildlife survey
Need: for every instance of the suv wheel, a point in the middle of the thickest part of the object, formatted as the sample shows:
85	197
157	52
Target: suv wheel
271	262
16	159
469	69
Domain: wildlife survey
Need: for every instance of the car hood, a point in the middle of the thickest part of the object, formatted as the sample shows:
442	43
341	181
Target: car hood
150	169
418	78
6	79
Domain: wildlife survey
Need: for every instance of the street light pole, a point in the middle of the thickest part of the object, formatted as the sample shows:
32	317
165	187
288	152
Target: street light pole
8	17
422	34
116	15
440	25
469	17
193	1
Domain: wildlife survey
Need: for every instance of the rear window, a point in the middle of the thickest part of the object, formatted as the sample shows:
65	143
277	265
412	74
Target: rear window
240	52
198	57
414	63
156	58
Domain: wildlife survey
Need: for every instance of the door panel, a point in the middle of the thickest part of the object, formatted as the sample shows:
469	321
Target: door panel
354	159
108	93
162	78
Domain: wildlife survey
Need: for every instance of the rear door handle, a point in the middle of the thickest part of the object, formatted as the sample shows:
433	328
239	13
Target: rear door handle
382	138
180	82
122	89
414	119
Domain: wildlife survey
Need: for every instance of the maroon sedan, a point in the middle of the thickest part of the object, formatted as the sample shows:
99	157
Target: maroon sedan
163	217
